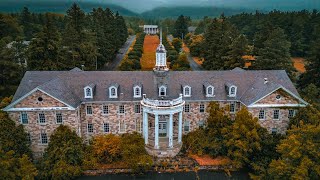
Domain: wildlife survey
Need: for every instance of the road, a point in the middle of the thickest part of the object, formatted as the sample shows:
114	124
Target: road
112	66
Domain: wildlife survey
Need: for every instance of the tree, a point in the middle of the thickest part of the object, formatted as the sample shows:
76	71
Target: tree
306	115
43	50
9	26
300	154
217	40
275	53
64	155
181	64
12	137
106	148
26	22
243	138
177	44
238	48
180	27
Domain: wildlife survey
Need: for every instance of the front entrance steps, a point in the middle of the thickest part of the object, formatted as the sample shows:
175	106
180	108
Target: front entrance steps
163	150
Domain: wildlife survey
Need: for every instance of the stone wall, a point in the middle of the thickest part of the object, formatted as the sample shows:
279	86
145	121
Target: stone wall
35	129
32	101
285	98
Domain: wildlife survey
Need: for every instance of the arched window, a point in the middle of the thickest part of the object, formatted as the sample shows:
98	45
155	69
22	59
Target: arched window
162	91
137	91
113	92
232	91
187	91
210	91
87	92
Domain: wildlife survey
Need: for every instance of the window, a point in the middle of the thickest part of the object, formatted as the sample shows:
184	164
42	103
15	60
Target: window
122	127
210	91
187	91
90	128
232	91
201	108
121	109
274	130
29	138
24	118
106	127
201	124
59	118
137	108
137	91
187	108
44	138
162	91
261	114
42	118
276	114
186	126
105	109
113	92
278	97
292	113
88	92
232	107
138	125
89	110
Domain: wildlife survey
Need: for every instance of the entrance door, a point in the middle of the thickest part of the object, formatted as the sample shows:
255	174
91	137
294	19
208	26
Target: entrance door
162	129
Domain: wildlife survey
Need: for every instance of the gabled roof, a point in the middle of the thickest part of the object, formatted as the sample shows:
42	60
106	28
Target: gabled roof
68	85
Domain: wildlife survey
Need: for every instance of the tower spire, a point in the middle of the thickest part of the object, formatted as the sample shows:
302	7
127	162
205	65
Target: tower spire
160	35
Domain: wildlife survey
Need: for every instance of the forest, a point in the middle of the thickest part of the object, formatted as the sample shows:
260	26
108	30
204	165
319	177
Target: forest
57	42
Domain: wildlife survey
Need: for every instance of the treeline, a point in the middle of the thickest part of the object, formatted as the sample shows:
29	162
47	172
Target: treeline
132	62
30	41
293	155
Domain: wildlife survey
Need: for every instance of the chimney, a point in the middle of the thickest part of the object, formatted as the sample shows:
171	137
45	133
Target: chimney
265	80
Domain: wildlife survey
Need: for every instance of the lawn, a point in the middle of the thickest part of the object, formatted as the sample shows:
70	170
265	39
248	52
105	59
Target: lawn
298	63
148	59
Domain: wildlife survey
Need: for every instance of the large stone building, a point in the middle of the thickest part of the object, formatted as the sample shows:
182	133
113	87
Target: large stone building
161	104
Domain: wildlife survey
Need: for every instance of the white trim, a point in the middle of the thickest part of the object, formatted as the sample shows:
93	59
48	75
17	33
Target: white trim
286	90
40	109
165	90
9	107
184	91
276	105
235	91
207	91
134	91
85	92
116	92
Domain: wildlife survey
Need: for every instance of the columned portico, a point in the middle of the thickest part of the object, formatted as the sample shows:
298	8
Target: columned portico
163	108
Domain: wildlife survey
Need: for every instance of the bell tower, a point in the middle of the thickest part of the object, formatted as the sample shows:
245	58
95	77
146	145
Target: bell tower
161	57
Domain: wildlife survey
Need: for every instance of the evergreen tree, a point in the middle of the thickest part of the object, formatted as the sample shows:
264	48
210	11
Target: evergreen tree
180	27
26	22
275	53
9	27
218	37
43	50
238	48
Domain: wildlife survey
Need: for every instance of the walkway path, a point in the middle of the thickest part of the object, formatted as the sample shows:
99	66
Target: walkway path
194	66
148	59
112	66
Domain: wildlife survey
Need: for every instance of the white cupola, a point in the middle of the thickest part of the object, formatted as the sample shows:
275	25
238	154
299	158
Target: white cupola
161	56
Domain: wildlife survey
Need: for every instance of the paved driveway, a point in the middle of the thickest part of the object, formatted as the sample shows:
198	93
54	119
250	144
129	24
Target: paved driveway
112	66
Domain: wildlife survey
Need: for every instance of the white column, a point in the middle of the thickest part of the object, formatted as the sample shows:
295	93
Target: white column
145	127
156	132
180	128
171	131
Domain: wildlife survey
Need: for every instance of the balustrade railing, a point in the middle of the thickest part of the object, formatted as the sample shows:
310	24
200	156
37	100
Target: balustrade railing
162	103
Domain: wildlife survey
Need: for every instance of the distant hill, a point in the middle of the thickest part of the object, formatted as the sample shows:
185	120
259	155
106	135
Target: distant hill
58	6
193	12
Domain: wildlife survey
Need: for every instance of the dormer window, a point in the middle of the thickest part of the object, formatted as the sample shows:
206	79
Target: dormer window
187	91
87	92
232	91
136	91
162	91
210	91
113	92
